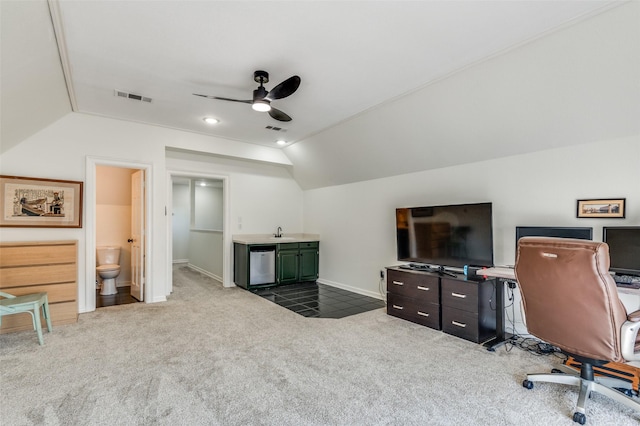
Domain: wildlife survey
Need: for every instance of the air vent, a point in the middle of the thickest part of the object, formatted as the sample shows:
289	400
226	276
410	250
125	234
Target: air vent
275	128
121	94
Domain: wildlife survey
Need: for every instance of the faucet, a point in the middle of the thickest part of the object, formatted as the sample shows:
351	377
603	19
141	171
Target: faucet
278	233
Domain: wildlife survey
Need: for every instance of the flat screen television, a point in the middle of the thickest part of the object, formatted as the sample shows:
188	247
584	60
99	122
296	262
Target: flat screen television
454	235
578	232
624	248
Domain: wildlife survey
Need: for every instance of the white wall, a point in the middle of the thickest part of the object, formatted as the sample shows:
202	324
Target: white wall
60	151
180	222
357	221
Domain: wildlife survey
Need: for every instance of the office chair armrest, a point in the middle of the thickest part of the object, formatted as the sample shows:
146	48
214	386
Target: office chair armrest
6	295
629	334
634	316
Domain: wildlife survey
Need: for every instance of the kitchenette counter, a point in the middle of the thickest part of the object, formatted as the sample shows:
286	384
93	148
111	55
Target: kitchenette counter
270	239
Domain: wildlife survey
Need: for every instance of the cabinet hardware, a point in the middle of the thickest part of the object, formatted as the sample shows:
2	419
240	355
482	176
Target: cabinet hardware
398	282
459	324
398	307
461	296
423	288
424	314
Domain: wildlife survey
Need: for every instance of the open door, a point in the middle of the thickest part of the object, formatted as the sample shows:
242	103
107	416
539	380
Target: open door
137	235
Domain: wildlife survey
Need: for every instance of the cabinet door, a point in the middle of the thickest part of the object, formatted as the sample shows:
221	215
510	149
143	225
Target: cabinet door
308	264
288	266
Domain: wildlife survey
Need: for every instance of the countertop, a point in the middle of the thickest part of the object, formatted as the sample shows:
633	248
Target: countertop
270	239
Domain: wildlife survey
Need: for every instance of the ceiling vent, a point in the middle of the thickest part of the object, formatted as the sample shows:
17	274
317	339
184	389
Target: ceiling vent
276	128
121	94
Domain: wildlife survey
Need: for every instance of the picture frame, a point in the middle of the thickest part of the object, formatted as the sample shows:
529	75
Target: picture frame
27	202
613	208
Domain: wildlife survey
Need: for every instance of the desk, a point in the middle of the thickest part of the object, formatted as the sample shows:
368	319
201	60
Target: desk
502	276
630	297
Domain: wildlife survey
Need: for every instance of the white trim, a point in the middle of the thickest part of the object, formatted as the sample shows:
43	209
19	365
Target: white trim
180	261
204	272
373	294
87	292
227	276
63	52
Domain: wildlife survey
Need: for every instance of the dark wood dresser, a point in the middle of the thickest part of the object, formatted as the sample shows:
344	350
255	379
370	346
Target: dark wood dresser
458	306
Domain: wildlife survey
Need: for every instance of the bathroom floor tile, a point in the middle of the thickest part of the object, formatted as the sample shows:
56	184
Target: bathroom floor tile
314	300
122	298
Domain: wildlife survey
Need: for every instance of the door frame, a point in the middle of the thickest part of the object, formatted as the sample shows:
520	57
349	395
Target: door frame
227	279
88	291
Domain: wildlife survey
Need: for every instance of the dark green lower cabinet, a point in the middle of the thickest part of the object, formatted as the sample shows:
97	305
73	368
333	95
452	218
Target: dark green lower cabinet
297	262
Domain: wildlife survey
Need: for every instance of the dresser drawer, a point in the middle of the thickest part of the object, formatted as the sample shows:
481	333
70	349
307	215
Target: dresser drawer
460	295
468	325
460	323
419	286
410	309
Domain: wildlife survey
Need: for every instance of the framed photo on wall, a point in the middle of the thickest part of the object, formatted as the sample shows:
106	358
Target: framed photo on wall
602	208
28	202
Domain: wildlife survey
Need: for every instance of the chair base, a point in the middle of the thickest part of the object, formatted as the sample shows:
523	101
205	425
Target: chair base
603	385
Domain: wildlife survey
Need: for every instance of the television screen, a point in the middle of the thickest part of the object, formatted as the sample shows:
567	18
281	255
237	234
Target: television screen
624	248
581	233
454	235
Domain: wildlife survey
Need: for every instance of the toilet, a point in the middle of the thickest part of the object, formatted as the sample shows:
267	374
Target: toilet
108	268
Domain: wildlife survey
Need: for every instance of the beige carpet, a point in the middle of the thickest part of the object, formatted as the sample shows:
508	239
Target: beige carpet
214	356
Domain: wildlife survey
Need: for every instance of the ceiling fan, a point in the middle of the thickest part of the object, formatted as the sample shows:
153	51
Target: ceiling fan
262	98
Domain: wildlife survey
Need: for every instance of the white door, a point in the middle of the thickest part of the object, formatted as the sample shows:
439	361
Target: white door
137	235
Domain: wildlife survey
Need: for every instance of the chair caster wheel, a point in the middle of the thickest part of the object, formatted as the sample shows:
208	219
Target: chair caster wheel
527	384
579	418
627	392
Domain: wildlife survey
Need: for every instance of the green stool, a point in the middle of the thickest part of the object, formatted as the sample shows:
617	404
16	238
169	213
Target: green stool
30	303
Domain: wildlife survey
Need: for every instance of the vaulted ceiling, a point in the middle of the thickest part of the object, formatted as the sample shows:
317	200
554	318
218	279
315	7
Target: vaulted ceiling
354	58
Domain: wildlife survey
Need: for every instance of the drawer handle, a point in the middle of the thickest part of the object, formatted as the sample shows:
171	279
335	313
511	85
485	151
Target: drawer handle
398	282
459	324
461	296
424	314
398	307
423	288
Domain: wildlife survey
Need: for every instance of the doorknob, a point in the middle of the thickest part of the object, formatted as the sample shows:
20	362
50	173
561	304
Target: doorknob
130	240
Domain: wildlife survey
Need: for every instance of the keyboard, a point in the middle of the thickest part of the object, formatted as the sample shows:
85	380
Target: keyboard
627	281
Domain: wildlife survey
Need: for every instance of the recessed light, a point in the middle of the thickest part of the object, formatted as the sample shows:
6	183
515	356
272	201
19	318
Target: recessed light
211	120
281	142
203	184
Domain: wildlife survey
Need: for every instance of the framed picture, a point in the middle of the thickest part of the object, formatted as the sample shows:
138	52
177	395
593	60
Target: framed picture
604	208
46	203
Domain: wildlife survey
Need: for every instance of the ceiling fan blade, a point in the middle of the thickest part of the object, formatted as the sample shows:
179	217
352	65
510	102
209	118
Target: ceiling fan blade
278	115
225	99
284	89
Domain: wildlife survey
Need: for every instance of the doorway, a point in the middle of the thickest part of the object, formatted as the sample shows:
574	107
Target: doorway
111	221
197	229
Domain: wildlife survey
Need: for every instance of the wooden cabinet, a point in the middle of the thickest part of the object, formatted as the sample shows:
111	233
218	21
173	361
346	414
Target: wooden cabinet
414	296
457	306
294	262
41	266
297	262
466	308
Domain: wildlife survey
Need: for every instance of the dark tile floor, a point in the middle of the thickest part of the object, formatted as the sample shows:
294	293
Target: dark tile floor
122	298
316	300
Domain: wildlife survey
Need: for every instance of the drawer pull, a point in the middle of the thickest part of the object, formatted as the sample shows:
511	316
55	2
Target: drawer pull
459	324
423	288
424	314
398	282
397	307
461	296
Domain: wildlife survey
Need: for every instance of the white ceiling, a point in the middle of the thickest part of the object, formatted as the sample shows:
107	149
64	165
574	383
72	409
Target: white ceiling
351	55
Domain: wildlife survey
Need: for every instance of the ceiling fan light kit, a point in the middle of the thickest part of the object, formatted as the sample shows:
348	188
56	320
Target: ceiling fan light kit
262	98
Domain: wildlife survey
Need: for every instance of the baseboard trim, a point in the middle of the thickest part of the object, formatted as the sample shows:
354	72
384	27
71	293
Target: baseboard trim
180	261
373	294
204	272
